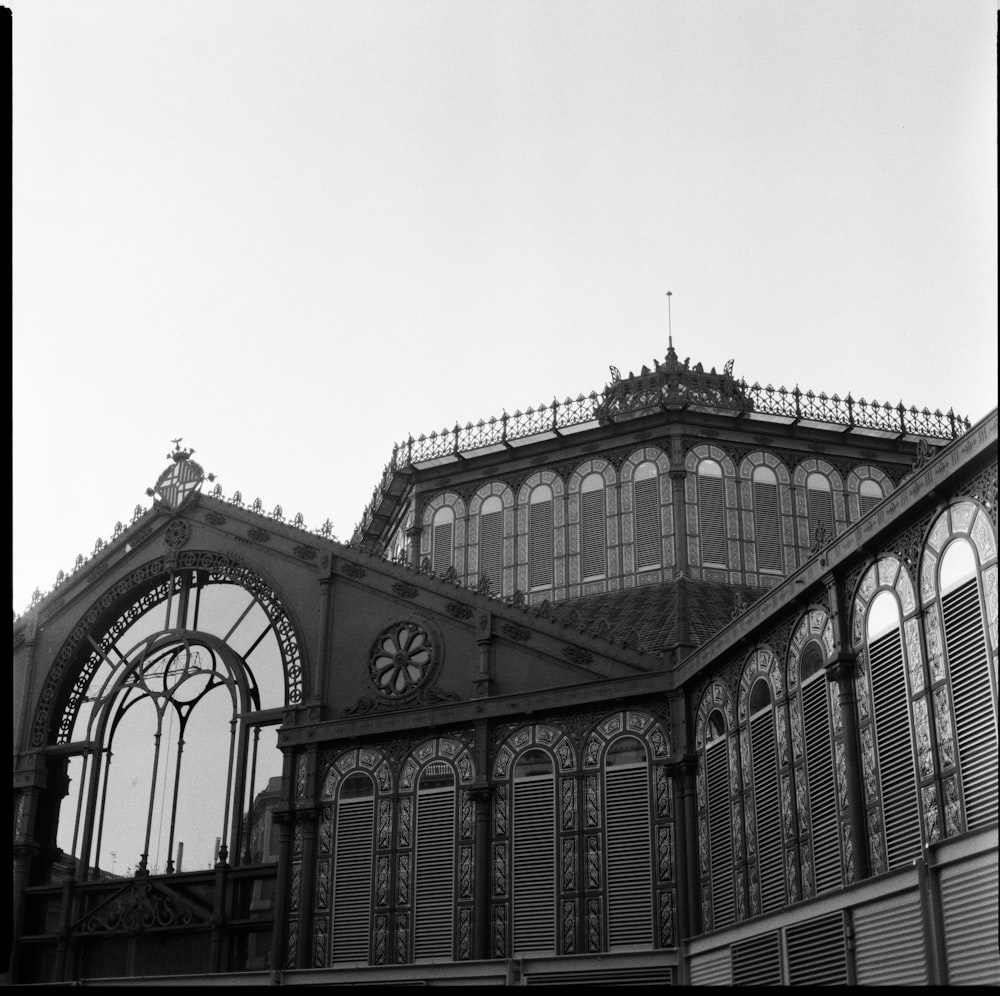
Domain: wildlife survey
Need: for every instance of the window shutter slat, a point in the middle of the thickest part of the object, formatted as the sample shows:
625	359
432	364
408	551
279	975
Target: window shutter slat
711	511
647	523
540	548
534	864
767	526
352	880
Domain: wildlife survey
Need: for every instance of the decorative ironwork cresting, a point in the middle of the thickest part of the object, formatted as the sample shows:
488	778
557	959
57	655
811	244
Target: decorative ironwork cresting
670	384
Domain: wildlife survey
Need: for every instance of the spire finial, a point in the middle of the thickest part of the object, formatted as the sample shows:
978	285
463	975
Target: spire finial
670	329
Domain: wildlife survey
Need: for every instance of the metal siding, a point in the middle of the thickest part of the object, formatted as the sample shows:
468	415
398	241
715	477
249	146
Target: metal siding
969	910
889	946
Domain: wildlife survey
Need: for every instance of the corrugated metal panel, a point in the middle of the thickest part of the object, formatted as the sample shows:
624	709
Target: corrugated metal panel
630	889
767	526
975	721
534	864
969	909
434	903
767	810
639	976
353	880
897	775
822	785
817	952
757	962
889	943
713	969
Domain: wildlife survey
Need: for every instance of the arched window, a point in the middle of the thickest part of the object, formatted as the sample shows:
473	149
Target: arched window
973	692
353	862
870	494
896	768
819	502
196	666
491	542
721	852
593	529
767	521
711	514
646	509
541	553
442	540
630	887
767	804
534	859
434	858
821	797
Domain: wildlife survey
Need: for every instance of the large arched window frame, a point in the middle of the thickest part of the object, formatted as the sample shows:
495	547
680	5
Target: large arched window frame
768	535
819	503
958	592
647	521
435	854
442	539
902	806
866	488
534	813
712	520
721	842
168	666
766	782
491	537
628	839
593	527
354	861
541	536
820	769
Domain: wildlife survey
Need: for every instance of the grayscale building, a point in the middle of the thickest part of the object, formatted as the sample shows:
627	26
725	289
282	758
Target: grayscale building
686	681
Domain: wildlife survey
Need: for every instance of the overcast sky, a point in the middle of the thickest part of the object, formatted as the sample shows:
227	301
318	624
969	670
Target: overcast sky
292	233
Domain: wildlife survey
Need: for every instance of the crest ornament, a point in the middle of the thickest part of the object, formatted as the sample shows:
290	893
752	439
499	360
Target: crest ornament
180	480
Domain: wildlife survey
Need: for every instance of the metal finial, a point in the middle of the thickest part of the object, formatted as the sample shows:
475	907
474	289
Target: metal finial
670	329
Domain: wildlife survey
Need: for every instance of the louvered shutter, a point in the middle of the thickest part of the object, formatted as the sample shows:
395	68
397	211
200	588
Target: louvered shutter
711	511
630	890
820	505
593	535
767	526
534	864
646	509
767	810
817	952
540	549
434	900
868	502
442	547
897	775
352	903
757	962
975	721
720	834
822	794
491	549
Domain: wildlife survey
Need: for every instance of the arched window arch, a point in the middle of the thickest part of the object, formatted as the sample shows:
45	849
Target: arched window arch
767	520
646	512
534	853
435	853
442	540
193	662
491	537
866	487
812	710
869	495
593	529
721	882
541	550
711	513
819	504
629	882
535	833
894	759
959	593
760	713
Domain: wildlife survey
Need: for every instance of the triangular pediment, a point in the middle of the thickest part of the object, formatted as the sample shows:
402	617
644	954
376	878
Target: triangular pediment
144	904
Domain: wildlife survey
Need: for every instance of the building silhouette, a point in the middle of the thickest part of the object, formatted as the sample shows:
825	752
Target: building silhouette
685	681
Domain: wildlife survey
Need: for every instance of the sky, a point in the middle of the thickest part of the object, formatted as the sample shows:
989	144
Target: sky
293	233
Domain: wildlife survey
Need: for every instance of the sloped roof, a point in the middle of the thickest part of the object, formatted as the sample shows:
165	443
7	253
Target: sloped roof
647	617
